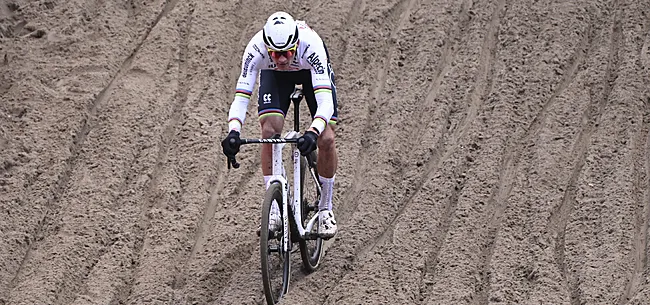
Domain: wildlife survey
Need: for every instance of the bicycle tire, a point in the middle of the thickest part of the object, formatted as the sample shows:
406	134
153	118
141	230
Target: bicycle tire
273	294
311	251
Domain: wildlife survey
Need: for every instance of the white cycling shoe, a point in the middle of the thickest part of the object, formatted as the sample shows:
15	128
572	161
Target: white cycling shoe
326	224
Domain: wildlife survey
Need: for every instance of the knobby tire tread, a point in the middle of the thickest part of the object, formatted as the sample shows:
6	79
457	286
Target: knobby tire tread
273	192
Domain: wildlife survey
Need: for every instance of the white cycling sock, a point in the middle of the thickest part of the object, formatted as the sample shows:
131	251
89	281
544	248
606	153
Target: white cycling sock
326	197
267	178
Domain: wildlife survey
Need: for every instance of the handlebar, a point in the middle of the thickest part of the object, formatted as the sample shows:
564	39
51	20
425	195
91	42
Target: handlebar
233	161
296	96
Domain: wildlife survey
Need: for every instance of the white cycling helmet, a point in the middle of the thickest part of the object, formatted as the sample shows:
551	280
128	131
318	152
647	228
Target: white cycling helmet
280	32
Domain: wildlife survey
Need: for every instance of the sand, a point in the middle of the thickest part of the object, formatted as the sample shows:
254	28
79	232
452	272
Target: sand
490	152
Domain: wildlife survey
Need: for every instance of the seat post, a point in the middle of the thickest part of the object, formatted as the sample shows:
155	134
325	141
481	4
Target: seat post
296	97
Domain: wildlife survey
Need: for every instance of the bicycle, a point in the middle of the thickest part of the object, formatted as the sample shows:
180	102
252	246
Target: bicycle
304	209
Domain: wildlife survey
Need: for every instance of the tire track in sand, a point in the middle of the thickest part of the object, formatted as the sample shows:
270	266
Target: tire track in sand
78	142
231	261
358	8
478	94
163	147
436	159
511	161
646	43
401	11
353	16
222	270
316	7
449	53
640	250
591	118
444	64
226	267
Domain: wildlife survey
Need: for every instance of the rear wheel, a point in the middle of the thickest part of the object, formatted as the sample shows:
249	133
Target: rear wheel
276	265
311	250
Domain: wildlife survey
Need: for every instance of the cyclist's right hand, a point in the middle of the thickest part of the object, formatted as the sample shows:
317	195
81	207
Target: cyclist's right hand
231	144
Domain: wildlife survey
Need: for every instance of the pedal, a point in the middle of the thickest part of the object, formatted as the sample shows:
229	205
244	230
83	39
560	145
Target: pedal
311	236
326	237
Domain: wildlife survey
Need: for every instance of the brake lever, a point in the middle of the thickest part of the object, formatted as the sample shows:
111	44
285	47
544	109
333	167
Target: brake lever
232	161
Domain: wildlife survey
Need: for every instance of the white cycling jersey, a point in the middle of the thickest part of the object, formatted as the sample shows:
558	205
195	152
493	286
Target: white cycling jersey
310	55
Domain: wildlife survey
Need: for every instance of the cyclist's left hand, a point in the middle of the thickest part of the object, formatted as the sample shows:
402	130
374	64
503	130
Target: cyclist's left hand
307	143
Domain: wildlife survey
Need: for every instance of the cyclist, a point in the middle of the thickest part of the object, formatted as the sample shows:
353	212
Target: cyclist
287	52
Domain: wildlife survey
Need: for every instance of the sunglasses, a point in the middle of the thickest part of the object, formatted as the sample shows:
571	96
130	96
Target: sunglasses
287	53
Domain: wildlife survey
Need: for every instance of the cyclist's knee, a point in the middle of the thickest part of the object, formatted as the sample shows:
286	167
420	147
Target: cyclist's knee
326	139
271	126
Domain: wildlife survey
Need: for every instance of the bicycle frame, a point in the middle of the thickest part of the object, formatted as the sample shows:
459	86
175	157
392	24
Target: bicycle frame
279	175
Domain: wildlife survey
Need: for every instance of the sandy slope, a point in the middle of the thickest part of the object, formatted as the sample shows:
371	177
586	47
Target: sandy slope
490	153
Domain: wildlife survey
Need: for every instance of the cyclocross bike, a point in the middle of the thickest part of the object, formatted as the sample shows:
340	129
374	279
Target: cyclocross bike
298	202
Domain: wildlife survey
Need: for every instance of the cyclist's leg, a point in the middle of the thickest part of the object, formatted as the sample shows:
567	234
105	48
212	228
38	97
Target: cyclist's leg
326	147
327	162
273	103
327	159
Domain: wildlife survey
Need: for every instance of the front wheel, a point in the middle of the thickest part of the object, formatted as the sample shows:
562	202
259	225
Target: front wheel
276	264
311	250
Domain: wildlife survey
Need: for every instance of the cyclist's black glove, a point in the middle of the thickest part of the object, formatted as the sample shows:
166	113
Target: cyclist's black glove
307	143
231	144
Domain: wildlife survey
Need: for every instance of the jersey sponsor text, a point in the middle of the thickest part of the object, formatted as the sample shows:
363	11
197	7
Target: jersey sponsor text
247	62
315	62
